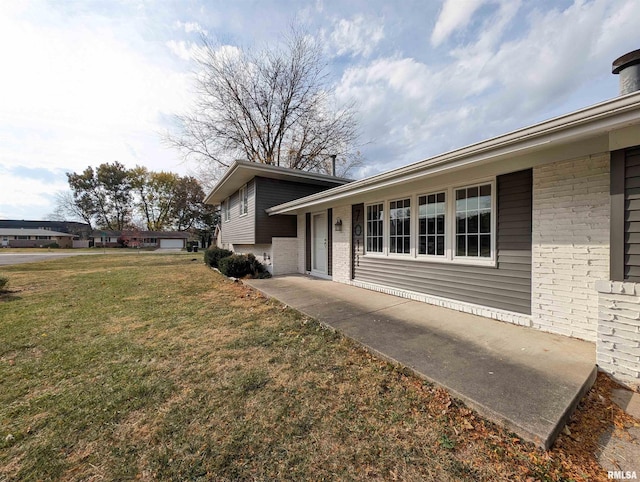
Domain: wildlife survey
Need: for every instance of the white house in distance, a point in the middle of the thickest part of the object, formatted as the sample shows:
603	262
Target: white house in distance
539	227
34	238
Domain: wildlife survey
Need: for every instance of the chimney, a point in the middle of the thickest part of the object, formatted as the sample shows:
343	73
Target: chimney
628	66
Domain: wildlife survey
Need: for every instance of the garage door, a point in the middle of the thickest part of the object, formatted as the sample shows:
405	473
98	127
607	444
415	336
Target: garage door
172	243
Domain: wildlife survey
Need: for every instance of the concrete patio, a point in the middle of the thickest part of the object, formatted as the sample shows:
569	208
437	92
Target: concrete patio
521	378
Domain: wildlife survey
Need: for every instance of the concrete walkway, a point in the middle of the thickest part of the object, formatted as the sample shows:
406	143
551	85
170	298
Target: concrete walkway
521	378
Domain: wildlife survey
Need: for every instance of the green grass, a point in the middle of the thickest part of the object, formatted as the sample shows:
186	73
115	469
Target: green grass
154	367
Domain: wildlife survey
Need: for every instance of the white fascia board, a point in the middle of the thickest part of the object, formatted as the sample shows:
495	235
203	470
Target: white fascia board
601	118
246	170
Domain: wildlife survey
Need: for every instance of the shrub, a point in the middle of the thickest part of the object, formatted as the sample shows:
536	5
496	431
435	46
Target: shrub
213	255
52	245
3	282
258	270
236	265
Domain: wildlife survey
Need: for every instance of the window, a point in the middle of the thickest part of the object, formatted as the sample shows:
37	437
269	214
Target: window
431	224
375	220
244	200
43	237
473	221
400	226
226	209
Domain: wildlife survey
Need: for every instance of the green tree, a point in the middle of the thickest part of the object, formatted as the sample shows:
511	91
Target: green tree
105	192
157	195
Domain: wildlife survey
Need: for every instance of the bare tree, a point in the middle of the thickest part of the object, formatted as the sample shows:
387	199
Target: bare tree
69	209
272	106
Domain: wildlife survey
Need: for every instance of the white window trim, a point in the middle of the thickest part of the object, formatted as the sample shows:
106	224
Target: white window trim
433	257
387	236
383	252
473	260
242	193
450	226
226	211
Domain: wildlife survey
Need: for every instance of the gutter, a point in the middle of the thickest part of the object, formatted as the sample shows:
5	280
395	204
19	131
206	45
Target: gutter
545	132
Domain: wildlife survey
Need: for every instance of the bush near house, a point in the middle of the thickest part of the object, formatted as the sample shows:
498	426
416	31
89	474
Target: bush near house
235	265
241	265
214	254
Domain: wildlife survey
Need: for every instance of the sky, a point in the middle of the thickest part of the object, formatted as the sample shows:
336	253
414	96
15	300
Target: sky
84	82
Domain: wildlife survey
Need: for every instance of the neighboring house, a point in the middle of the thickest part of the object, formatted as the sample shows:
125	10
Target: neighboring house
539	227
245	192
141	239
81	230
33	238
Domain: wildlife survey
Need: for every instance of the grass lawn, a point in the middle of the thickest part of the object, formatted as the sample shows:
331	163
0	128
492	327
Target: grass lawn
151	367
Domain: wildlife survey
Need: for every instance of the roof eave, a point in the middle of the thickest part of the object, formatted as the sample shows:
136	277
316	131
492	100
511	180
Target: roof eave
214	196
528	138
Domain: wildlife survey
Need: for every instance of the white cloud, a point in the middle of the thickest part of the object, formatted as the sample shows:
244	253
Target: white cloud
190	27
358	36
504	78
183	49
455	15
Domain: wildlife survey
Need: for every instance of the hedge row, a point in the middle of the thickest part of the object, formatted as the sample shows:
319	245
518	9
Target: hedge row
235	265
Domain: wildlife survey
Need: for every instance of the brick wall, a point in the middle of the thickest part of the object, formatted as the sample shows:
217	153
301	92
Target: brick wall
618	344
570	244
301	243
284	255
341	261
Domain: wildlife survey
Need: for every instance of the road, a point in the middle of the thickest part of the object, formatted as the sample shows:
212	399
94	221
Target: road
20	258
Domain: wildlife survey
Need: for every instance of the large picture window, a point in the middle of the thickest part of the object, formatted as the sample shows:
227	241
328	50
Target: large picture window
473	221
375	221
431	224
244	200
400	226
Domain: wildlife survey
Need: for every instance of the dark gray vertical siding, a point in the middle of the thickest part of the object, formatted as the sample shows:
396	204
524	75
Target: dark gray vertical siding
632	214
241	229
271	192
507	286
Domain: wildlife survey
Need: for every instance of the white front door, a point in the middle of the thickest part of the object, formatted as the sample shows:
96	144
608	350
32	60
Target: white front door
319	251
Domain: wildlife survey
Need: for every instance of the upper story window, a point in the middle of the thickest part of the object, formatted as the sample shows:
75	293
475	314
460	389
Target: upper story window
375	221
226	209
244	200
431	224
474	221
400	226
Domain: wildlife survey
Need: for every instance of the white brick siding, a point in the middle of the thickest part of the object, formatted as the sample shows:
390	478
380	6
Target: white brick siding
341	255
284	255
487	312
618	344
301	243
570	244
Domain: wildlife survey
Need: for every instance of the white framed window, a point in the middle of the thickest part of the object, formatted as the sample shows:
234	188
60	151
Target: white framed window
432	224
244	200
375	228
400	226
474	222
226	210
